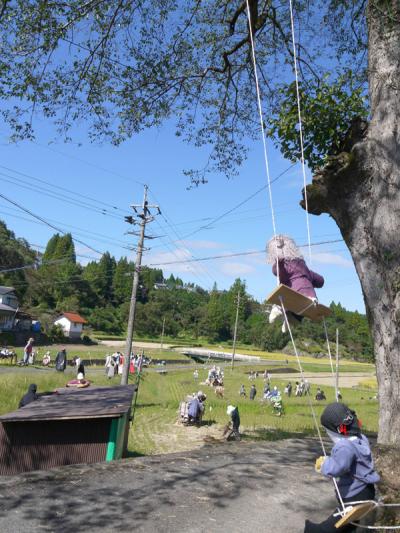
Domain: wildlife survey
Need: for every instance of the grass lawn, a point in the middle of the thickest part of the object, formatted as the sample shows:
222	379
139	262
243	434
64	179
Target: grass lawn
155	429
159	398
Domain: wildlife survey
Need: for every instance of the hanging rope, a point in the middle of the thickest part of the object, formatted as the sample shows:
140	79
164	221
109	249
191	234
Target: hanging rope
308	230
309	399
377	504
300	129
260	112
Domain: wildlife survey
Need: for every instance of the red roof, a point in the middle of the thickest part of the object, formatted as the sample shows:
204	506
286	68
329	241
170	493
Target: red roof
74	317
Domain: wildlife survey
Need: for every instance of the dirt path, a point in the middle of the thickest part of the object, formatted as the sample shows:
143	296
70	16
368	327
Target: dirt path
136	344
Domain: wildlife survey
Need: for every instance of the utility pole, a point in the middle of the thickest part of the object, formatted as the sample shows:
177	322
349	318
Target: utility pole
235	332
162	334
145	216
337	366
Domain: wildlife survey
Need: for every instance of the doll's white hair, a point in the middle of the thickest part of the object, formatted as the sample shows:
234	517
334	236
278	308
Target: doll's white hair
282	247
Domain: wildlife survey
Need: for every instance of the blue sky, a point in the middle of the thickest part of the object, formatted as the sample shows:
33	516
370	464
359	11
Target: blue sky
114	175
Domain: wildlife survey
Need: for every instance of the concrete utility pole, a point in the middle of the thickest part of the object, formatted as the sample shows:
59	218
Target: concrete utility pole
235	332
337	366
145	217
162	334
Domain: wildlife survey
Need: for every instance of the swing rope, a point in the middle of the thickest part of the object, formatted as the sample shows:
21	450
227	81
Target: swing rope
376	504
258	92
260	112
303	168
309	399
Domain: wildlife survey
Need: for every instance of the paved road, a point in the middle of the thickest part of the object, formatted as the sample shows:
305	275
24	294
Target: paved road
268	487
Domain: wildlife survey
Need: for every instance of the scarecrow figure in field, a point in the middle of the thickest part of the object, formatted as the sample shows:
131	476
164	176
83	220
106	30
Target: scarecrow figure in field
61	360
289	265
231	431
277	405
350	463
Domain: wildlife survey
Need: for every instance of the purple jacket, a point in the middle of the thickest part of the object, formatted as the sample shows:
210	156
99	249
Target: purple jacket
295	274
351	461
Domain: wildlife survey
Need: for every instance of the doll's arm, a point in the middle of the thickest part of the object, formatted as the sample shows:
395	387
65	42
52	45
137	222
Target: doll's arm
316	280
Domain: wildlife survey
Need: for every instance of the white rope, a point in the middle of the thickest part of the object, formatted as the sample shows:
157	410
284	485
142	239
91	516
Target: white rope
390	528
300	129
260	112
309	398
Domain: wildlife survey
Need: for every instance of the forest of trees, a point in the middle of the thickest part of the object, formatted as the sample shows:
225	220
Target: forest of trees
54	281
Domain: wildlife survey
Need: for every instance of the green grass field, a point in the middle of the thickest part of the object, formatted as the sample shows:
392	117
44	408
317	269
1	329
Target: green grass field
155	430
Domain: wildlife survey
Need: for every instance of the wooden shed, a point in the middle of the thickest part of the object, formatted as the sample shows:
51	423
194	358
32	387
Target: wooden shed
70	427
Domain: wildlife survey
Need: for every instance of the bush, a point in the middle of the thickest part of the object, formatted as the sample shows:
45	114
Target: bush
55	334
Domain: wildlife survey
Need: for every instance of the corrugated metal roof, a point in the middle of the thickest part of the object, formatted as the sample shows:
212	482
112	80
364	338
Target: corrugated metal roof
6	290
4	307
68	404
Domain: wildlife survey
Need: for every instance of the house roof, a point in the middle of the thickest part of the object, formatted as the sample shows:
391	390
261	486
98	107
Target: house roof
94	402
7	308
6	290
74	317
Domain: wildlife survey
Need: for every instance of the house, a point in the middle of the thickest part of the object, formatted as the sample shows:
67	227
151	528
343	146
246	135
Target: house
72	324
8	308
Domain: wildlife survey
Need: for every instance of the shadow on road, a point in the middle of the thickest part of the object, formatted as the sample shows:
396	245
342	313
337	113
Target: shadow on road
143	493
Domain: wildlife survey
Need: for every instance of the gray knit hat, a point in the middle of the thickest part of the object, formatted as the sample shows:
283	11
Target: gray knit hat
339	418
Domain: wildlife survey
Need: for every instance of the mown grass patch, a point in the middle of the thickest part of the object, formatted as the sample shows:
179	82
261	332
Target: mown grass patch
154	429
159	398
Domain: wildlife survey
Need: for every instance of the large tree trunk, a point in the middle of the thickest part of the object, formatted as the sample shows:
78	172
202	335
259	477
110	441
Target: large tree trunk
360	189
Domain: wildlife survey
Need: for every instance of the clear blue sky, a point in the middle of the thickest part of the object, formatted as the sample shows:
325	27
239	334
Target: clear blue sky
157	158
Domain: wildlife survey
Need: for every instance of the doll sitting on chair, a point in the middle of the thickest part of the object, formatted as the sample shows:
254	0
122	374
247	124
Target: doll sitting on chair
288	263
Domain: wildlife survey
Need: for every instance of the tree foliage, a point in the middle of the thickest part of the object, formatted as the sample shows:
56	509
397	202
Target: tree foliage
128	65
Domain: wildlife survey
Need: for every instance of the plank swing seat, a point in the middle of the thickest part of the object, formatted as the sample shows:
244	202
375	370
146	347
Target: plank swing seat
354	513
298	303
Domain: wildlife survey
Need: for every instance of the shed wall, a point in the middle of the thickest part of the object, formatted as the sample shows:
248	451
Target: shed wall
26	446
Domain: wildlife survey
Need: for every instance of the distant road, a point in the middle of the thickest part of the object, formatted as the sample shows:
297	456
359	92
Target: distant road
136	344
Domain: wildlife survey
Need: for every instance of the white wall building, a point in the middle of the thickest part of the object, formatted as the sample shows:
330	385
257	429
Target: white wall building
72	324
8	307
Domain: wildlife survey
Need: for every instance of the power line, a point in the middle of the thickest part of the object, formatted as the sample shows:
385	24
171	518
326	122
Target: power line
40	180
224	256
47	223
258	191
109	240
194	272
81	160
181	239
57	196
33	266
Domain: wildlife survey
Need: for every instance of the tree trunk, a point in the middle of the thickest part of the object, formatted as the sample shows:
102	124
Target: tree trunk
360	189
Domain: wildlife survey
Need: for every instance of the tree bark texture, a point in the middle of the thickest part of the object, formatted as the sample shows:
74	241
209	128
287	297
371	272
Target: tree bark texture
360	188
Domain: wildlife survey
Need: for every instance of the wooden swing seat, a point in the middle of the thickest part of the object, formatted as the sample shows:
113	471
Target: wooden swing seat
355	513
297	303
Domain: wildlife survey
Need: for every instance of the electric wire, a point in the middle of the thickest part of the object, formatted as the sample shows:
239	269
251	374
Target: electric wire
107	239
223	256
40	180
247	199
38	217
169	224
57	196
